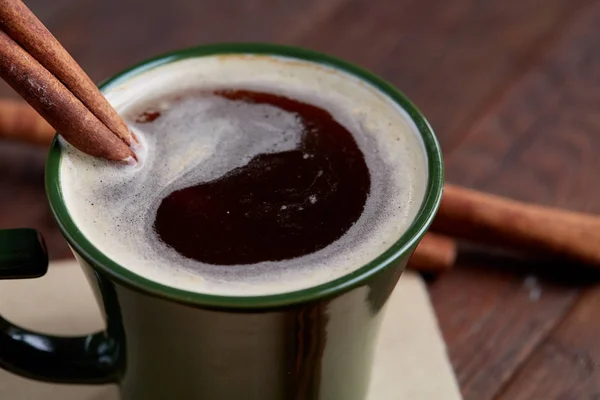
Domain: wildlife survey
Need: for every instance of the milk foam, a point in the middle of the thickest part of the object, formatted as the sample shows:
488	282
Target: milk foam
199	140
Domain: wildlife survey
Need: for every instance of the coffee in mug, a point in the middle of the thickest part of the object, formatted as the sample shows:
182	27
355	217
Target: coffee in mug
257	175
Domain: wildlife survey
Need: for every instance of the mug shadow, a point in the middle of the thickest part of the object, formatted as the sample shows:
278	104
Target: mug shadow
552	269
22	164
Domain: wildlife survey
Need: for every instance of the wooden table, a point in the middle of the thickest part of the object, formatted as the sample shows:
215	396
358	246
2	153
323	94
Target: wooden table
512	89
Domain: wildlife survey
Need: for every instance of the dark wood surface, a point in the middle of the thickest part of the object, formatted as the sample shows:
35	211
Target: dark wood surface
513	91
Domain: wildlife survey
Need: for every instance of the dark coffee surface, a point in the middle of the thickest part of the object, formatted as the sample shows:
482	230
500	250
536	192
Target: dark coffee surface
278	206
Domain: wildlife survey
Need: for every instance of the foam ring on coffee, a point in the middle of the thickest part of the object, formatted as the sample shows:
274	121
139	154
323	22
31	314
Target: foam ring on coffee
201	139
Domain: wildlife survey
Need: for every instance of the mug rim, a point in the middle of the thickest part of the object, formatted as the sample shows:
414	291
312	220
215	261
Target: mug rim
403	246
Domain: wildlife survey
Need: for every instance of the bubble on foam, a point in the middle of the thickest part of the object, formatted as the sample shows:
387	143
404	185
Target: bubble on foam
198	138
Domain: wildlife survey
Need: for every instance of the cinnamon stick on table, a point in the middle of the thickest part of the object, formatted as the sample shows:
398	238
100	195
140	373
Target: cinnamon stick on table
20	122
76	119
493	220
436	253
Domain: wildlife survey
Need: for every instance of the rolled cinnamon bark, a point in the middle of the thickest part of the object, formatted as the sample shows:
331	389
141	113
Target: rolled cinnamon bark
18	22
493	220
53	101
436	253
20	122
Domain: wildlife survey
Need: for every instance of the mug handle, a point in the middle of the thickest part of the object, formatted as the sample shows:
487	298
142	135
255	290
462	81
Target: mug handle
90	359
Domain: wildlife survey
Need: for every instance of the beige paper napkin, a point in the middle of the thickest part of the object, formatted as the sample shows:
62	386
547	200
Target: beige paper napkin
410	361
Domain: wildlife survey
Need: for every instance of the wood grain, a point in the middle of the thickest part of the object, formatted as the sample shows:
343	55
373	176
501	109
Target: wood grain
105	37
493	318
452	58
567	365
536	144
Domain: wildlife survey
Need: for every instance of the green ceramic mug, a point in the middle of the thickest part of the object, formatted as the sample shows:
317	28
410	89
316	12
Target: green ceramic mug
165	343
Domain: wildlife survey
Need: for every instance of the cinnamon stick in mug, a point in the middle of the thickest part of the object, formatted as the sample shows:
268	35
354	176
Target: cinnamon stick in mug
28	31
53	101
50	95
